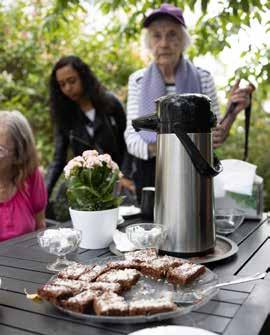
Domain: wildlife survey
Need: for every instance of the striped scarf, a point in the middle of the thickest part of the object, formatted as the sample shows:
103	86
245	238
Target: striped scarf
187	80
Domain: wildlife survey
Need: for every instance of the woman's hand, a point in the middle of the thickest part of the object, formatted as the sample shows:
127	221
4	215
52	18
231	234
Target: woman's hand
152	150
126	183
240	97
219	135
40	220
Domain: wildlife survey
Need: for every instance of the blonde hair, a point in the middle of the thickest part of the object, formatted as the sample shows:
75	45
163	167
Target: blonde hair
185	37
25	158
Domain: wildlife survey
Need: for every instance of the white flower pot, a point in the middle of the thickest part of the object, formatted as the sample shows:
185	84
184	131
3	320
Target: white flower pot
97	227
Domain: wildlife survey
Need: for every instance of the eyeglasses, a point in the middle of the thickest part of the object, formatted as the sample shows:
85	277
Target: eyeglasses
4	152
171	36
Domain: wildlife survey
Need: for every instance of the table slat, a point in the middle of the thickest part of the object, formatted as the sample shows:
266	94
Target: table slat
25	275
231	296
6	330
252	315
42	324
11	302
220	309
259	262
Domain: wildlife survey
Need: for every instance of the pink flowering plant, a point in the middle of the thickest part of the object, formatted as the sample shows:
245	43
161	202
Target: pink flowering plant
91	182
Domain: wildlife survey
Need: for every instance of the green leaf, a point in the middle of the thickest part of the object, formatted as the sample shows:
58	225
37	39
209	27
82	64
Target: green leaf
204	4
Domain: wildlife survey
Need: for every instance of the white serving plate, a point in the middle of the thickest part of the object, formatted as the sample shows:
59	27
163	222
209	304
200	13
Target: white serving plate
172	330
127	211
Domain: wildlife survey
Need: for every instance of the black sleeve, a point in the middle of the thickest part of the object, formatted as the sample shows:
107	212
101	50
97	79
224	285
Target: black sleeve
119	115
127	165
61	142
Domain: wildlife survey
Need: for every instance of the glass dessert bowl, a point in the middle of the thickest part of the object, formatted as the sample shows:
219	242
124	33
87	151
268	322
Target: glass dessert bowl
59	242
146	235
228	220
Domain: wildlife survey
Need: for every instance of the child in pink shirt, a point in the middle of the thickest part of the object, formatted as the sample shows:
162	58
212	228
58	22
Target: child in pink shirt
23	196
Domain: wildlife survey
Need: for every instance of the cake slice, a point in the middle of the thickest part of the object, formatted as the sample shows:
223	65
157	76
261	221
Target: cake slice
124	264
109	303
172	261
75	285
103	286
158	267
53	293
82	302
74	271
126	278
93	273
151	306
78	286
141	255
185	273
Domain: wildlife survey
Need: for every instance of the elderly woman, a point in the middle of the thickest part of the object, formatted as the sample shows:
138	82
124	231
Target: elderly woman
170	72
23	195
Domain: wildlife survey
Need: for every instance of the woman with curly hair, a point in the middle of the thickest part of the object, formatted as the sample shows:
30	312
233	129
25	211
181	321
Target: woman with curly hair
85	115
23	195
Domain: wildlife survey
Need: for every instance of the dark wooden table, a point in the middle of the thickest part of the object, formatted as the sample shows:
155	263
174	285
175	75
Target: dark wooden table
239	309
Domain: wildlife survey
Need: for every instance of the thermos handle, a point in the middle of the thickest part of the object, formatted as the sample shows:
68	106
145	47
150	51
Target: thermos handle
201	165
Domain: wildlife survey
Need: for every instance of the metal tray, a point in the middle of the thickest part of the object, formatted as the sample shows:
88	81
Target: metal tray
224	248
154	289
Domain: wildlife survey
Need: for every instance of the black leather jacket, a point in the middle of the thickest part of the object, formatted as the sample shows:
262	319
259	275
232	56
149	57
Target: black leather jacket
108	138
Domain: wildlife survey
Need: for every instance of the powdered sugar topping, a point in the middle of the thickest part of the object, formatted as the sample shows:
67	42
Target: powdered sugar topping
187	269
146	303
84	296
118	275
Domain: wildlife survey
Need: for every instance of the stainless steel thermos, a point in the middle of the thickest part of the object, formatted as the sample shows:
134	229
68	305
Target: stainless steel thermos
184	200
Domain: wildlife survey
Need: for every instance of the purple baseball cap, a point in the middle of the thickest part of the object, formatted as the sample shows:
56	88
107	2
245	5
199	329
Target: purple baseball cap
165	10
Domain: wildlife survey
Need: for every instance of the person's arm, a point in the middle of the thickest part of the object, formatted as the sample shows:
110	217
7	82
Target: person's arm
55	169
40	220
209	89
121	122
38	197
239	99
126	165
126	182
135	144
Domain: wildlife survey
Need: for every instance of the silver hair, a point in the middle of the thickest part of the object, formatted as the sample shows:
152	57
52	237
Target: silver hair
25	154
185	38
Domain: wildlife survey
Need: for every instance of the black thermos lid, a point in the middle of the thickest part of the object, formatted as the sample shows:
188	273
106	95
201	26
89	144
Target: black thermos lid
191	112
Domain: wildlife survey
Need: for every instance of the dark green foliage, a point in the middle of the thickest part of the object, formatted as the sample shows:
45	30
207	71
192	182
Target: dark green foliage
31	43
